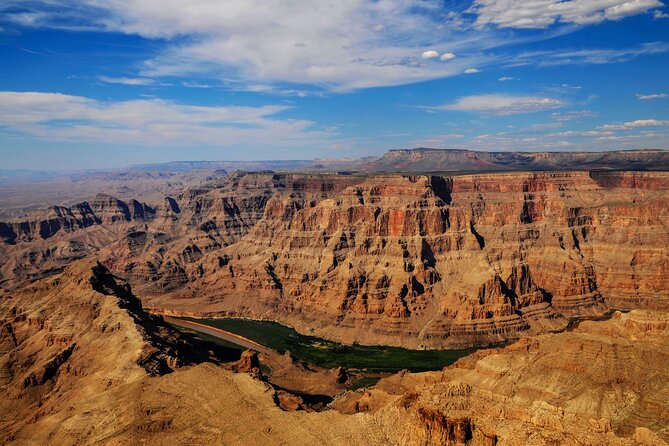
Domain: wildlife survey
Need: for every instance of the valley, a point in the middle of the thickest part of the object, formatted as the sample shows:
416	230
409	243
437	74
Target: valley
334	223
367	307
328	354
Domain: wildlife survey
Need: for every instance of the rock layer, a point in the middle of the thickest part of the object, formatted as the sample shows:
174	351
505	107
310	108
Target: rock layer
411	260
578	387
78	357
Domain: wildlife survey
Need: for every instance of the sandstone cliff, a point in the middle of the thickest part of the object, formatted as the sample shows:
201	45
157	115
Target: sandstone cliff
418	261
604	379
81	363
413	260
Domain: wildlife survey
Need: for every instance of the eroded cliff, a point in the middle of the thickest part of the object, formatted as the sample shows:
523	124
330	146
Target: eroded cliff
418	261
81	364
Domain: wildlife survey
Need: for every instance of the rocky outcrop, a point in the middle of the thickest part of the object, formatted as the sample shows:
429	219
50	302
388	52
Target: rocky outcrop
248	363
579	387
103	210
415	260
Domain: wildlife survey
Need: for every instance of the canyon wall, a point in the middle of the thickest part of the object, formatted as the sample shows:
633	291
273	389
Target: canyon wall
82	363
412	260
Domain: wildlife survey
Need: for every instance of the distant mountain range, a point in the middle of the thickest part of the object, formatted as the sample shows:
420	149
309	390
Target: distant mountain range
440	160
313	164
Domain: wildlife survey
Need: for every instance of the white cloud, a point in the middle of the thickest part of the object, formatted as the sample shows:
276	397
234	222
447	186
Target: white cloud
572	115
324	46
645	123
430	54
544	13
194	84
635	124
506	79
143	81
472	71
59	117
646	97
657	14
547	126
333	46
575	134
447	56
501	104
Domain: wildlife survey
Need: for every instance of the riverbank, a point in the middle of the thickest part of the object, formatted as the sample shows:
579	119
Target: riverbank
322	352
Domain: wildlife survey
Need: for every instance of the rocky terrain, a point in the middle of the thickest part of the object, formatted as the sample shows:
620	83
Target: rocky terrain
410	260
82	363
604	379
415	260
436	160
33	193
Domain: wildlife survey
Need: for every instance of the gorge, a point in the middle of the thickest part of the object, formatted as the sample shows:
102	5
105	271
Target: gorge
433	262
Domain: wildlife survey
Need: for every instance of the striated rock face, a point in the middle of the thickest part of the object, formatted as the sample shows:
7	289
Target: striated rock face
103	210
79	364
415	260
412	260
580	387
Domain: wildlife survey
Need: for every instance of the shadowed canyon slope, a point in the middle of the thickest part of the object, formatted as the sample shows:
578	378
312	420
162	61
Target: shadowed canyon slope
417	261
83	363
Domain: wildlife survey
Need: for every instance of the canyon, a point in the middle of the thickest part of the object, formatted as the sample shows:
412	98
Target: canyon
386	253
82	362
417	261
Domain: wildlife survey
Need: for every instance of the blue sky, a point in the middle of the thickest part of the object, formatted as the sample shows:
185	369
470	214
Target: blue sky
107	83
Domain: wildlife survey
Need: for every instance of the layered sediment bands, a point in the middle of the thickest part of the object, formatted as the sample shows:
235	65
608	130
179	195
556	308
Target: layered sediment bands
411	260
44	242
103	210
82	363
423	260
580	387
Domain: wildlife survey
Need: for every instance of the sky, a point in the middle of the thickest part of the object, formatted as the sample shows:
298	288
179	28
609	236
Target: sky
87	84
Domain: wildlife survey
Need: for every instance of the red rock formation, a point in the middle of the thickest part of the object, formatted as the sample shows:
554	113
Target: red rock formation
415	260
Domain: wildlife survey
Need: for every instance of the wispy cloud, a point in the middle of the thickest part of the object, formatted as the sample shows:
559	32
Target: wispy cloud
646	97
569	140
194	84
60	117
573	115
577	134
501	104
330	46
586	56
128	80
